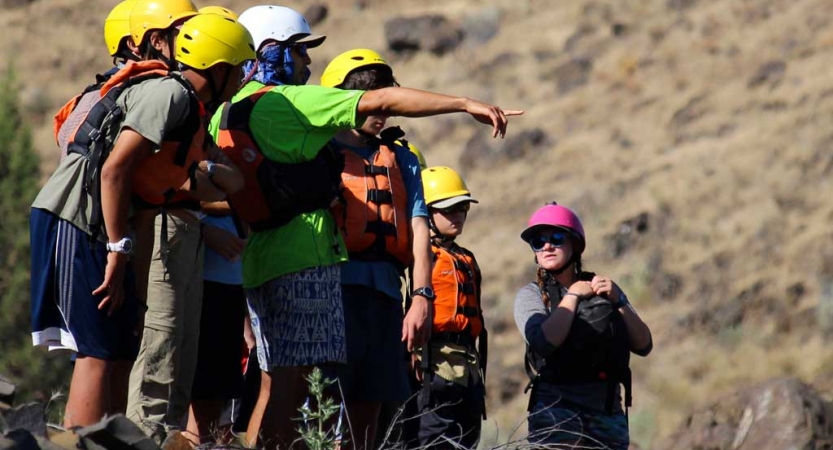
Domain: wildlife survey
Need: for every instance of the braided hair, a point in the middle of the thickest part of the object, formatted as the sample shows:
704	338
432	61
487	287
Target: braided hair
543	277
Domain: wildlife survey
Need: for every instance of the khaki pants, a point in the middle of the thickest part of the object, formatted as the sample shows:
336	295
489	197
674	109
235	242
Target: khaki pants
161	379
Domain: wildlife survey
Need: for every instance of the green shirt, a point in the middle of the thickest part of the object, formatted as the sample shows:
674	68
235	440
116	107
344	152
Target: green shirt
290	124
150	108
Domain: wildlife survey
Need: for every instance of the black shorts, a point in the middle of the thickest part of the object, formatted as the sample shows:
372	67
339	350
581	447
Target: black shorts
219	374
376	369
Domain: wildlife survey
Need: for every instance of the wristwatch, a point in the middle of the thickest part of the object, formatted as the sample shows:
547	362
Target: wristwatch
210	169
124	246
426	292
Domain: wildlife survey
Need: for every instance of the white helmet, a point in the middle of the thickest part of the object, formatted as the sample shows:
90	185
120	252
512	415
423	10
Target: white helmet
279	23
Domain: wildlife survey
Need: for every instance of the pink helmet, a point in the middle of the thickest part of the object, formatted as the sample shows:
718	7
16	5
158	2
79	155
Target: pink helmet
554	215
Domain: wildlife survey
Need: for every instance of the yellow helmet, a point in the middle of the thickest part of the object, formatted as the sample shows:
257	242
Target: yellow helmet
150	15
444	187
422	164
209	39
117	25
219	10
343	64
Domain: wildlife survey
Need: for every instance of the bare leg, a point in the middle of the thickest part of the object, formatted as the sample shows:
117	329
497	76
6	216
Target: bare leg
118	386
89	391
282	392
203	419
363	419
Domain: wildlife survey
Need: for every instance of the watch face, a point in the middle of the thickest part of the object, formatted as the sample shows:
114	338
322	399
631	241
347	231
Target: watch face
127	245
426	292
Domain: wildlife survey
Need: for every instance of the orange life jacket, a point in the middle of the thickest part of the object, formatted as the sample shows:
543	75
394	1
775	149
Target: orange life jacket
456	281
158	178
273	193
96	125
372	217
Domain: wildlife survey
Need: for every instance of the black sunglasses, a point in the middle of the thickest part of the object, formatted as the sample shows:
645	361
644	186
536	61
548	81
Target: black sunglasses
556	239
458	208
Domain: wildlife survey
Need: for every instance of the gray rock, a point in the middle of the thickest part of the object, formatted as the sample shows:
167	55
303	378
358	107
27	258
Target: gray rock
115	432
525	143
19	440
626	235
572	74
316	13
481	26
432	33
15	3
7	391
770	73
775	415
29	417
680	4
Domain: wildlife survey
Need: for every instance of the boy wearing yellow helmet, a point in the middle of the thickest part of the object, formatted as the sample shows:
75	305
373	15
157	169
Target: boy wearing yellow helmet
211	50
453	363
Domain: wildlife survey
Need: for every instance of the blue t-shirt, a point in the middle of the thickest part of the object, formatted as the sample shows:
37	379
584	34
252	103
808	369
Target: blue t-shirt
217	268
380	275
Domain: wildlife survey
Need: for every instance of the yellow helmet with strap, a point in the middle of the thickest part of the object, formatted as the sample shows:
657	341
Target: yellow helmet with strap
209	39
219	10
341	66
444	187
150	15
117	25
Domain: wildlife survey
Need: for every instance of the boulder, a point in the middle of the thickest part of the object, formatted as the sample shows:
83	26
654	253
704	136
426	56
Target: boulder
431	32
778	414
316	13
572	74
115	432
29	417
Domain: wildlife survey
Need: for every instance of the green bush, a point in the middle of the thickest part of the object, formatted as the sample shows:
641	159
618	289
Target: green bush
35	374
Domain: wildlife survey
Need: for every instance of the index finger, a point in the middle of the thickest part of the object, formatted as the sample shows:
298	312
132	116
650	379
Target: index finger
513	112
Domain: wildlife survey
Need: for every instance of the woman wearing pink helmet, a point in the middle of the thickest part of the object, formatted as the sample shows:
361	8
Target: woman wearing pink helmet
580	330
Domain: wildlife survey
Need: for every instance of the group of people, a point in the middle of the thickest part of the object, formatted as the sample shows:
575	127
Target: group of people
213	216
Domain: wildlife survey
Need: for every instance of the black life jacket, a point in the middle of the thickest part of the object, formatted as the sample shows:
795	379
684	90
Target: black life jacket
596	349
274	193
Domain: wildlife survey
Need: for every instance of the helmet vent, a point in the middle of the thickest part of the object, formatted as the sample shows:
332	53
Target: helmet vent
358	58
187	36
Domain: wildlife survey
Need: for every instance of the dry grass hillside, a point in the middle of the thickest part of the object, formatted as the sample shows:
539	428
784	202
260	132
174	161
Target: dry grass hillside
692	137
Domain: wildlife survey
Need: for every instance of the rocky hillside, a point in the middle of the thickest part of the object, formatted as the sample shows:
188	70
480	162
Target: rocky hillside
692	137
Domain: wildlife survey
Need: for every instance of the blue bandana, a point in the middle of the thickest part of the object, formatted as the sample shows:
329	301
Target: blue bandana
270	60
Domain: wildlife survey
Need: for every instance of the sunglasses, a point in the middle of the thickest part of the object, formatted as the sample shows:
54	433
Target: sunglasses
301	49
458	208
556	239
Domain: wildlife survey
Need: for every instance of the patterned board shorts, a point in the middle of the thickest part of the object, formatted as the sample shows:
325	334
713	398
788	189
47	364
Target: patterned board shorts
298	319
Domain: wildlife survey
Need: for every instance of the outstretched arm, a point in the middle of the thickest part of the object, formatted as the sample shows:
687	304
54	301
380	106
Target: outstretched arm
399	101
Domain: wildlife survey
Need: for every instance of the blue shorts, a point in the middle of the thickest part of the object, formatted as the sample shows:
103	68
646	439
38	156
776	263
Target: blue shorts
377	361
66	269
554	422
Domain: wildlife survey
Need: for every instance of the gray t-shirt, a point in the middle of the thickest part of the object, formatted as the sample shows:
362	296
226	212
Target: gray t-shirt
530	315
150	108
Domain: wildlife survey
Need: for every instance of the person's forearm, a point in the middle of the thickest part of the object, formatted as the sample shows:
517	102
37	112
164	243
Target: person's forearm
216	208
557	327
421	252
227	178
399	101
639	335
116	189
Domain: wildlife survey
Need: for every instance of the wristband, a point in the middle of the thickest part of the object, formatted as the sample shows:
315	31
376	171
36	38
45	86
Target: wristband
578	297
